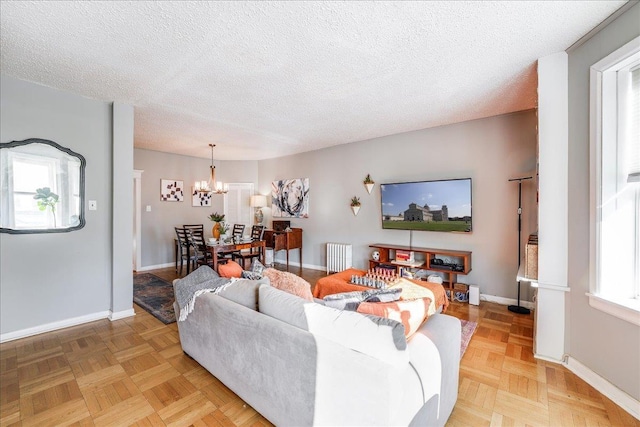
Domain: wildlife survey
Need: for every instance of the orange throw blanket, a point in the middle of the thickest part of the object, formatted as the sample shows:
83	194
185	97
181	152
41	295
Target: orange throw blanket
339	282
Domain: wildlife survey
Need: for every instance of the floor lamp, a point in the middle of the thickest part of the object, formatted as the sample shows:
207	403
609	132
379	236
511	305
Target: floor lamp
518	308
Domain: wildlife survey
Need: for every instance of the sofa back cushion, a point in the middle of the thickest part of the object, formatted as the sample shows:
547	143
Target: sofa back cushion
244	292
377	337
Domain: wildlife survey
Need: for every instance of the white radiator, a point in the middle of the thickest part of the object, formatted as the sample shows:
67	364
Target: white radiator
338	257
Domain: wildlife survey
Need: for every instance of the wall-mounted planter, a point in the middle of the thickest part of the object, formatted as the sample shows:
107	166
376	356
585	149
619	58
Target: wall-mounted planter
369	187
368	183
355	209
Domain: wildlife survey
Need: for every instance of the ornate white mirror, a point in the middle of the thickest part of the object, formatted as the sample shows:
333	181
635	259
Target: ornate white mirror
42	187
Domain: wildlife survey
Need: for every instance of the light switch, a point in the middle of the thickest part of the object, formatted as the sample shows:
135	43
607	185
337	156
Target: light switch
148	208
93	205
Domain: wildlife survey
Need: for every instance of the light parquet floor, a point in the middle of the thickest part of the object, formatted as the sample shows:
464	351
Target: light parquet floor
133	372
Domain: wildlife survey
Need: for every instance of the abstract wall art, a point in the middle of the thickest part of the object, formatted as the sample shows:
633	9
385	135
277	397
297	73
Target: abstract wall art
290	198
200	199
171	190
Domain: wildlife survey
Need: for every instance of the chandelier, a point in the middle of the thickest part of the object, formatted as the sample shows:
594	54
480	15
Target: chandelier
211	186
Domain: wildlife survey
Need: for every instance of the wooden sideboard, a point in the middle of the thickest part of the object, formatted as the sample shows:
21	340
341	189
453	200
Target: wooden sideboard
285	240
462	261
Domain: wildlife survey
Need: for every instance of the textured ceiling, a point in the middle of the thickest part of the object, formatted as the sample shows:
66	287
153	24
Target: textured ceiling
267	79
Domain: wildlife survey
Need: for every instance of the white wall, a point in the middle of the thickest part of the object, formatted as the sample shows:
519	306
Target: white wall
52	279
158	225
608	346
490	151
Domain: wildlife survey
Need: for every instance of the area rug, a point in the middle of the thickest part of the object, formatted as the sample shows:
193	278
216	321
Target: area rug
155	295
468	328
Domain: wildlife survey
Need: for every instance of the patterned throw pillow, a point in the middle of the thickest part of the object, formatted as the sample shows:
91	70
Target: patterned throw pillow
230	269
257	267
410	313
256	271
289	282
383	295
345	300
351	300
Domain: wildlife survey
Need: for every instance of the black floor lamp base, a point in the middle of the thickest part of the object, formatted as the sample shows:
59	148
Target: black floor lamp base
519	309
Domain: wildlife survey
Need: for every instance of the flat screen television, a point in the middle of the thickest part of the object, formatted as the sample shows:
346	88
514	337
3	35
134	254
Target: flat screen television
442	205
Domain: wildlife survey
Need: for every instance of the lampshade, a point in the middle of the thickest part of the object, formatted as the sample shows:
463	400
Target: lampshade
258	201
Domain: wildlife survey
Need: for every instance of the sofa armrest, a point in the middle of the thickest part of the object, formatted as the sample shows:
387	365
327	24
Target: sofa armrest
434	351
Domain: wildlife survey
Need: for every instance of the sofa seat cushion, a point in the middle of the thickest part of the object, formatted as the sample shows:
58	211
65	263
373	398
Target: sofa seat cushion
375	336
411	313
289	282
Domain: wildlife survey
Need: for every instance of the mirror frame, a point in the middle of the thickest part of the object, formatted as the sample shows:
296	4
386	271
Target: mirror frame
83	164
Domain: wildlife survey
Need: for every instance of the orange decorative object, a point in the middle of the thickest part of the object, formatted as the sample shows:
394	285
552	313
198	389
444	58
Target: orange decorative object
340	282
215	231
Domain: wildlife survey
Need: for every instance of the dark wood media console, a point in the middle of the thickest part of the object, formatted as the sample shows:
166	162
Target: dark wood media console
462	263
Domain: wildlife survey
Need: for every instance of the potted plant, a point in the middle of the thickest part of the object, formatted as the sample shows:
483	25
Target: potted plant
217	218
368	183
47	199
224	229
355	204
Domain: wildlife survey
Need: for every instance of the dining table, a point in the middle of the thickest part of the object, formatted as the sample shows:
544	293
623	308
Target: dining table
218	247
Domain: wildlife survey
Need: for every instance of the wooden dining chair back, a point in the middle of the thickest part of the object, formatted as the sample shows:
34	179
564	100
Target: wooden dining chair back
183	248
198	251
197	230
238	231
241	257
236	235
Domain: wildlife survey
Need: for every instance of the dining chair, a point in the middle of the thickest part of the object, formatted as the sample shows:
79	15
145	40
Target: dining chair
198	234
183	249
237	232
198	251
236	235
257	233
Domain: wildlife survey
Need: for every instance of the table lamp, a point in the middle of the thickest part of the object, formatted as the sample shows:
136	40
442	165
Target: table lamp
258	201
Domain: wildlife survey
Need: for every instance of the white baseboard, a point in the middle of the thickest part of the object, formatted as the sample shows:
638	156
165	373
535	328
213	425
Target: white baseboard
156	267
505	301
54	326
121	314
619	397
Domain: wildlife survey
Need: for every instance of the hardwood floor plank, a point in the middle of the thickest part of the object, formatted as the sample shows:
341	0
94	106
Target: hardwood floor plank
133	372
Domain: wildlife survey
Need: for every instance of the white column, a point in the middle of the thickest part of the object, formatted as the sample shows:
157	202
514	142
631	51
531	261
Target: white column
553	156
122	225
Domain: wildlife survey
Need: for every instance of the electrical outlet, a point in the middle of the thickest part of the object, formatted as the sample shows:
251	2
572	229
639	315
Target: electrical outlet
93	205
148	208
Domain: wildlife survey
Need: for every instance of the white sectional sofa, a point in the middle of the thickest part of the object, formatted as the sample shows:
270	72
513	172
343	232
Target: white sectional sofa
300	363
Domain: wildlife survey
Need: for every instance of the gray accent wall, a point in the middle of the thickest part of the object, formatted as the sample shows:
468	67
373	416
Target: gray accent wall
55	278
157	225
490	151
605	344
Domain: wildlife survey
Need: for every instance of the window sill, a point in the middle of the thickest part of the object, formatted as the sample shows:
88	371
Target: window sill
626	309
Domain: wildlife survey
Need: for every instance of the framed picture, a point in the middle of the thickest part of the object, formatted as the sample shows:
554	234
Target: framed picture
200	199
290	198
171	190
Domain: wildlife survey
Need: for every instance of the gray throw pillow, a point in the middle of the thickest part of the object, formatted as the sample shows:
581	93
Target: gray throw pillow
383	295
246	274
345	300
257	267
351	300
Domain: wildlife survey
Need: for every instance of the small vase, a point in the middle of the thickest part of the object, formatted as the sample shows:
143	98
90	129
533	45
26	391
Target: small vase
216	230
355	209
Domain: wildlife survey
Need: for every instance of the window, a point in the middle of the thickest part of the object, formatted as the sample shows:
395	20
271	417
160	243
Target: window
615	183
